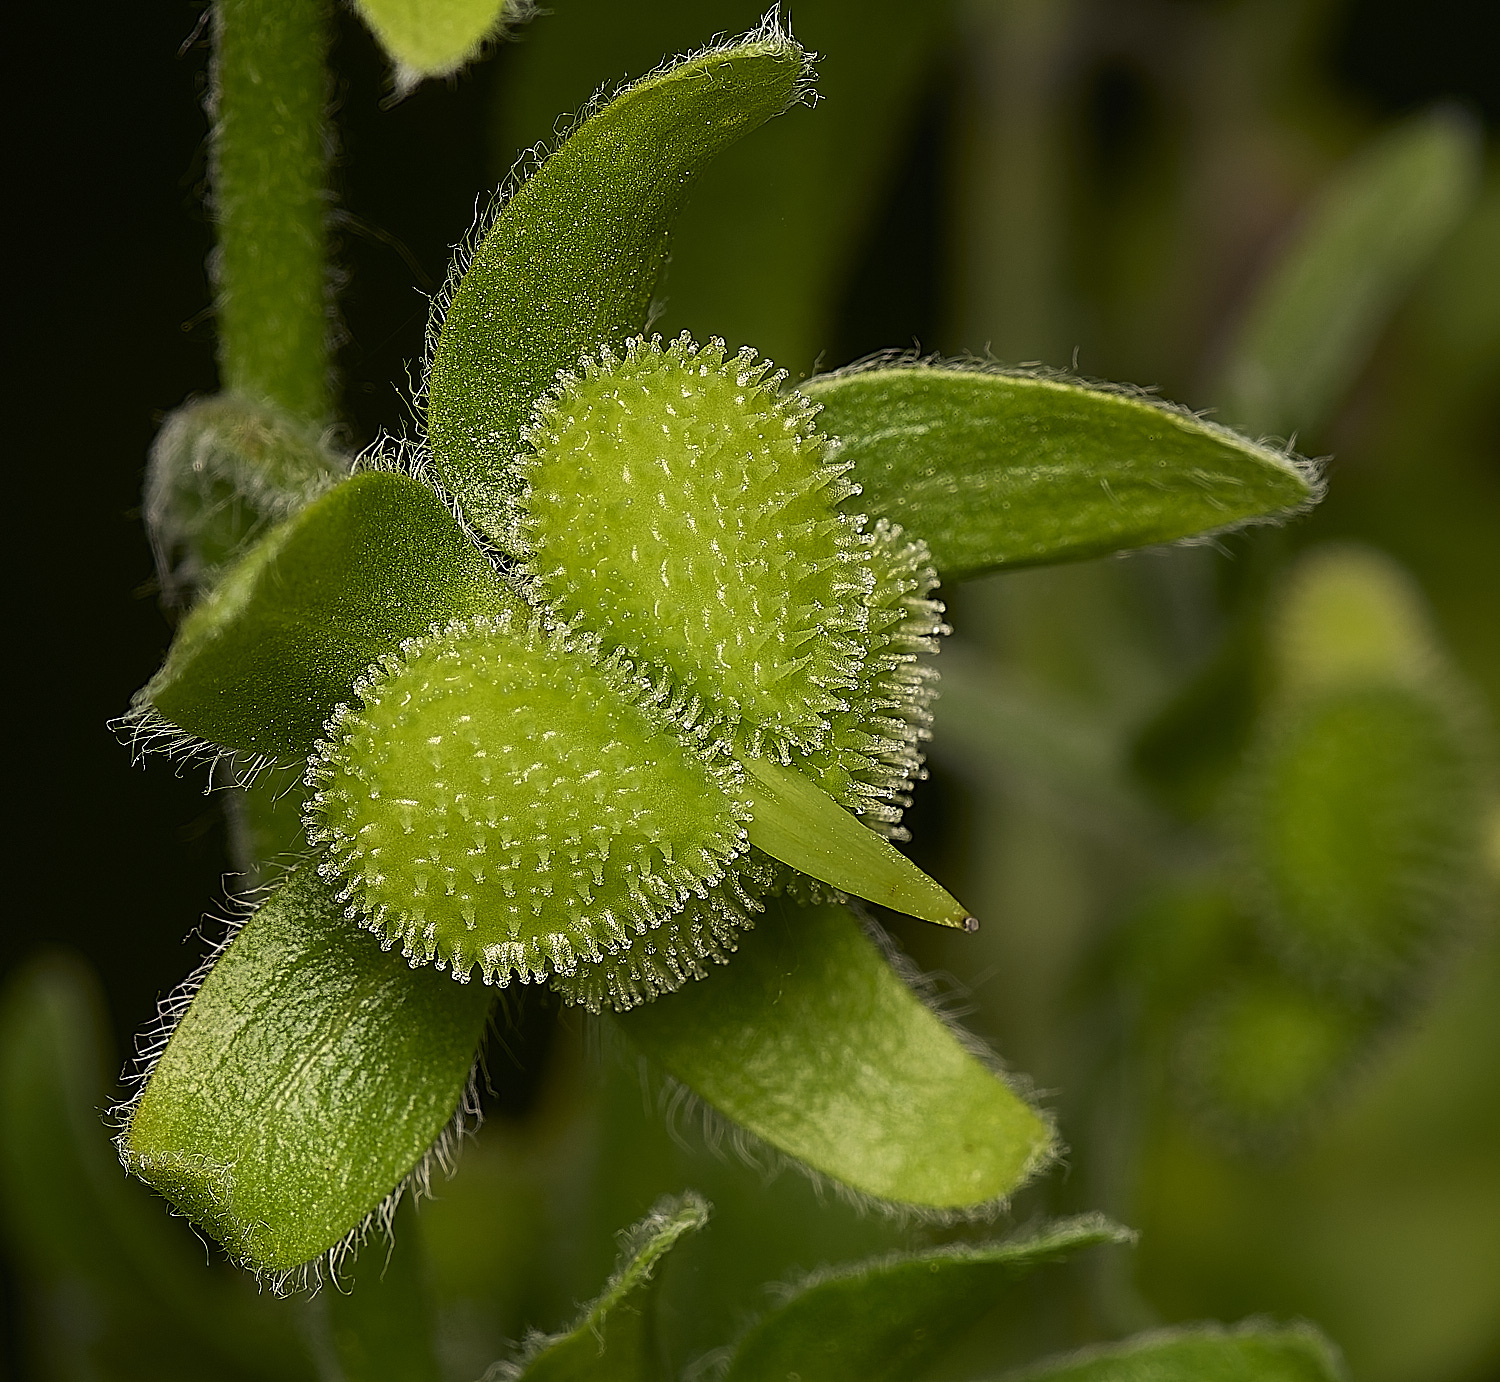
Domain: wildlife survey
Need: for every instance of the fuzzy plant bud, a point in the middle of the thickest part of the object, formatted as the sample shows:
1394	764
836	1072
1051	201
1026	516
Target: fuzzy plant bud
506	797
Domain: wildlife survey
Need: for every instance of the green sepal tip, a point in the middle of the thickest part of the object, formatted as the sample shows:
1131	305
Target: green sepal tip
798	823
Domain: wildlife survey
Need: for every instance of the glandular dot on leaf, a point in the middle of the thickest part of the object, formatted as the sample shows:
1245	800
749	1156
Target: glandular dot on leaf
507	797
682	505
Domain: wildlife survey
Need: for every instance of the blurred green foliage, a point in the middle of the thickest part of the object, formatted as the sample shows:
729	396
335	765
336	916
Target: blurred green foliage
1226	812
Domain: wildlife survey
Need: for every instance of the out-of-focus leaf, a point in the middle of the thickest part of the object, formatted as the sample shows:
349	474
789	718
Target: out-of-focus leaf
1362	802
434	38
379	1315
1346	615
1258	1056
261	663
1362	812
223	470
810	1040
1003	470
885	1320
1316	316
571	261
1250	1352
124	1292
615	1338
310	1074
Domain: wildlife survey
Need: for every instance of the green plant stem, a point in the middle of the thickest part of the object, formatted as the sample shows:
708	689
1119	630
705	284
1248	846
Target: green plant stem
269	201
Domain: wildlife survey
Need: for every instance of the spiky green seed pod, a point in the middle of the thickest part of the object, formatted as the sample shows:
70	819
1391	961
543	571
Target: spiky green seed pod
873	755
681	505
508	797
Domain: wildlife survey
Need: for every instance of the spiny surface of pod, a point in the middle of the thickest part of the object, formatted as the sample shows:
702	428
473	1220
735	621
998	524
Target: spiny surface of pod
508	797
681	505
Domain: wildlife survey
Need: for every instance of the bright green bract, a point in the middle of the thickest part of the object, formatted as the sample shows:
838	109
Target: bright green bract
309	1075
261	663
810	1040
1003	470
886	1320
504	799
802	826
615	1338
571	260
1251	1352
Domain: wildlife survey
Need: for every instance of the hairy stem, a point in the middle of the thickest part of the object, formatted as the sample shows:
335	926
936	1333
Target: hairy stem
269	202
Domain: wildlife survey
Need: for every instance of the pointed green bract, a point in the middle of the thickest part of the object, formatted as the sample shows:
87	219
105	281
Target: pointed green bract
261	663
1251	1352
994	470
506	798
615	1338
308	1077
679	504
571	260
811	1041
1317	317
434	38
794	821
886	1320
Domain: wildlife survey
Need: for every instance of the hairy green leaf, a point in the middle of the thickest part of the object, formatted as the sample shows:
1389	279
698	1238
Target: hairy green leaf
434	38
1315	319
1250	1352
810	1040
996	469
263	661
310	1074
887	1319
571	260
615	1338
121	1291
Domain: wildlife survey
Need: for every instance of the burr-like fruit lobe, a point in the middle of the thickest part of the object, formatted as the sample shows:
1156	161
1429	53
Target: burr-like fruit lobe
506	797
680	505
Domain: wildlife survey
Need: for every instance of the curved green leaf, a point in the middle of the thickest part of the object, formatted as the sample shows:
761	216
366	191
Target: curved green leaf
1316	317
112	1278
571	261
1250	1352
310	1074
885	1320
261	663
615	1337
434	38
810	1040
1004	470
